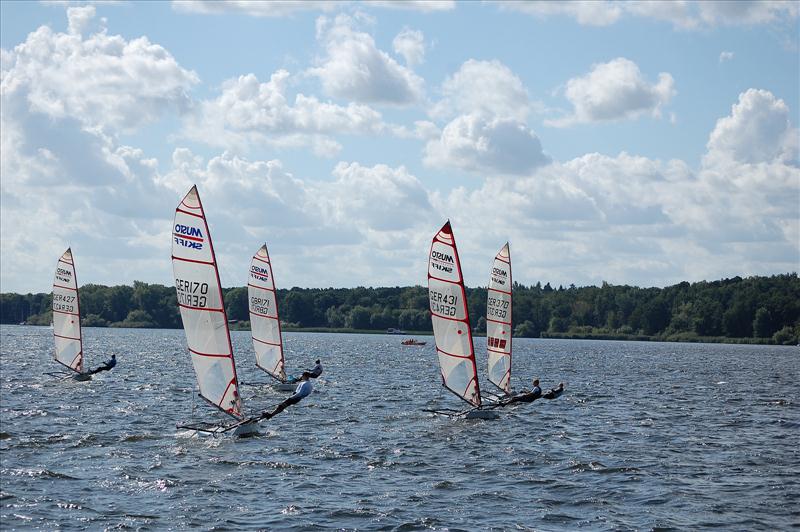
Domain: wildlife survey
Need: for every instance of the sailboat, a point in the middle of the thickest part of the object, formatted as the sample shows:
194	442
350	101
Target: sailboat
498	321
451	326
205	321
67	318
265	325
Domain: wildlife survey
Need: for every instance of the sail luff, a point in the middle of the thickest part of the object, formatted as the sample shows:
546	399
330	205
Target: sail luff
202	306
450	318
265	324
499	320
67	335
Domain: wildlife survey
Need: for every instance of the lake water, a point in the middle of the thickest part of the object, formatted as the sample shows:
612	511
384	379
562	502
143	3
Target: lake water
646	436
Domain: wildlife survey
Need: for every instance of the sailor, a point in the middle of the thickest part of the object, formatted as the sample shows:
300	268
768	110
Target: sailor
303	389
525	397
554	392
316	371
107	365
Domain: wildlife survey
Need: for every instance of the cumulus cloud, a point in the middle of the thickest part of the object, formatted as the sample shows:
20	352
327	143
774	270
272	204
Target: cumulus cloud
483	87
249	112
411	45
478	144
380	197
355	69
586	12
725	56
103	81
615	91
681	14
757	130
79	18
283	8
255	8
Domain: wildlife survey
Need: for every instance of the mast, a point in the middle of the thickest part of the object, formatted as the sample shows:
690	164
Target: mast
202	306
67	314
451	327
498	321
265	325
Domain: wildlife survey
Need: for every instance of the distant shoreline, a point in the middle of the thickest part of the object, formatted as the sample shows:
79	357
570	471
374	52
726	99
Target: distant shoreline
544	336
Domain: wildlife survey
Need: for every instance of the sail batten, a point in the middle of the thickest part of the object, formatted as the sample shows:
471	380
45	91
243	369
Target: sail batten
498	320
202	306
265	324
67	314
450	318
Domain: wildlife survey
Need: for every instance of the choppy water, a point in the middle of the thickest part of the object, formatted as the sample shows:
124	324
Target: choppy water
646	436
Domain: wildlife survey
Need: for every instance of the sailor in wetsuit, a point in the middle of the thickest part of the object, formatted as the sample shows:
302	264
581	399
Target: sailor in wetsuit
554	392
525	397
107	365
303	389
316	371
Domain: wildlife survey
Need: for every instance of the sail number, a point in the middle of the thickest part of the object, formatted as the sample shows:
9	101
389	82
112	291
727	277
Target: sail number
497	308
259	305
192	293
64	303
443	304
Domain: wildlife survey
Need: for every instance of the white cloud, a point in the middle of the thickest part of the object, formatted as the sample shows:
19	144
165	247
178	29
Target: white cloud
102	81
284	8
255	8
586	12
79	18
757	130
249	112
484	87
746	12
355	69
411	45
487	146
725	56
615	91
681	14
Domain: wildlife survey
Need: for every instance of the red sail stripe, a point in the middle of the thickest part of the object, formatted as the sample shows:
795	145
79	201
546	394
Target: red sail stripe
200	308
65	287
66	337
265	342
261	287
187	237
194	261
215	355
62	312
191	213
501	291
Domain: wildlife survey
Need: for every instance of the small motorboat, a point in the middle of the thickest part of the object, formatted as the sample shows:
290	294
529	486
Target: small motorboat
411	341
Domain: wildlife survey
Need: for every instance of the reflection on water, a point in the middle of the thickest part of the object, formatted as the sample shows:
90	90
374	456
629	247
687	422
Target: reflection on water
646	435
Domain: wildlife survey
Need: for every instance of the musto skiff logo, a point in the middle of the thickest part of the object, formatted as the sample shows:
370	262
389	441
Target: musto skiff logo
188	237
65	276
259	273
442	261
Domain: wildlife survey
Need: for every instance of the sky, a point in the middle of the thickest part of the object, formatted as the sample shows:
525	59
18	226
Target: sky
639	143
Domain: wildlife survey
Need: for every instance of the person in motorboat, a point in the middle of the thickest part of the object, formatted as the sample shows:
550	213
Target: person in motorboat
524	397
108	365
554	392
303	389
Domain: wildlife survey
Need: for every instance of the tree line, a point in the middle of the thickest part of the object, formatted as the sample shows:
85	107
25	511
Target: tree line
763	309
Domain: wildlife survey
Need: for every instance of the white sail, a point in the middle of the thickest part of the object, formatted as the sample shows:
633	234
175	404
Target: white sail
498	321
451	328
202	306
67	314
265	324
